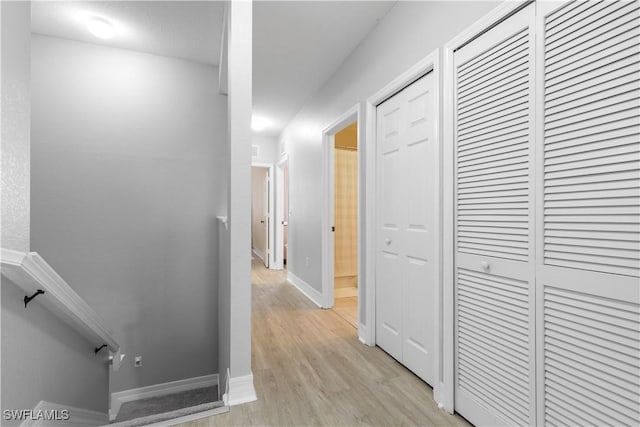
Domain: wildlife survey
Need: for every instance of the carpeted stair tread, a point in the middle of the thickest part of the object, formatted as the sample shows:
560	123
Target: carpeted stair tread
150	419
160	408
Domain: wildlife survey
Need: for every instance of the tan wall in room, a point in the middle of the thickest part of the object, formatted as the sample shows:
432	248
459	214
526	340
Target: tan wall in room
348	137
346	202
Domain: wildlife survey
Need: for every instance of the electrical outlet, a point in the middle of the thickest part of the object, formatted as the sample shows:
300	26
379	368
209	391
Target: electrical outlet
137	362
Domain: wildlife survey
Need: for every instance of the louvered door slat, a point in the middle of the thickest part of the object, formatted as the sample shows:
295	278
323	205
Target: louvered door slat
591	141
509	100
568	15
613	50
592	23
583	76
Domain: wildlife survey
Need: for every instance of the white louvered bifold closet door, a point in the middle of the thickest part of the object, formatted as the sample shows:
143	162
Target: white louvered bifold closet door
588	215
494	258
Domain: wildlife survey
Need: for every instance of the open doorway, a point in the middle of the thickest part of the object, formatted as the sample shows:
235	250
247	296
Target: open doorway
260	217
345	219
341	219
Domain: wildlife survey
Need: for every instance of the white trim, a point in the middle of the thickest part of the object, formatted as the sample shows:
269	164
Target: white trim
328	208
279	213
77	416
241	390
306	289
444	391
272	217
428	63
362	331
120	397
30	272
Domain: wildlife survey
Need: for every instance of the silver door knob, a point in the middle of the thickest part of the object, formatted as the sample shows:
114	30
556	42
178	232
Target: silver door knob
485	265
387	241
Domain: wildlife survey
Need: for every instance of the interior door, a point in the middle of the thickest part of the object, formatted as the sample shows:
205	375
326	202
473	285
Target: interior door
494	251
264	222
588	263
407	198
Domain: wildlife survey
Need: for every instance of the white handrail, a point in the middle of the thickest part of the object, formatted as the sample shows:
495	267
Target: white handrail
30	272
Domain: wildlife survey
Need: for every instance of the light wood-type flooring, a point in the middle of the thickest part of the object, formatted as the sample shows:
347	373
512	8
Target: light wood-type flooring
310	370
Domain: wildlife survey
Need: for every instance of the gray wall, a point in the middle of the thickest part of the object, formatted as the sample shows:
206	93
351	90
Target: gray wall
408	33
15	35
42	358
45	359
128	174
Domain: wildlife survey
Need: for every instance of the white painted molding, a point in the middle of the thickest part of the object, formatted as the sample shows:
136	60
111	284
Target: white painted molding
240	391
77	417
363	334
306	289
30	272
121	397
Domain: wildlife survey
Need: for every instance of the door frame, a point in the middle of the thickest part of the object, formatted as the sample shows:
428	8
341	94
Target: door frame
328	208
279	212
271	258
430	63
444	393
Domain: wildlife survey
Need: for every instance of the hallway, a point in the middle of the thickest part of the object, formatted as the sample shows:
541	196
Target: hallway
310	369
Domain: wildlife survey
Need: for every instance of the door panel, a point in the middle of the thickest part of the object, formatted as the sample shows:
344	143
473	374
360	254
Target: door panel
389	268
407	194
588	177
494	276
265	218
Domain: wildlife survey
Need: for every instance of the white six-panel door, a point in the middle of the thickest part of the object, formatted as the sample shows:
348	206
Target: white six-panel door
405	237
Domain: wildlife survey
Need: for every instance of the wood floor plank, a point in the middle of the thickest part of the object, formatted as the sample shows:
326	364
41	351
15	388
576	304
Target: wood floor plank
310	370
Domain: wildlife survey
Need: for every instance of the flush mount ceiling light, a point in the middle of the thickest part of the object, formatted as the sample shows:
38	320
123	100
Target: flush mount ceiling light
100	27
259	123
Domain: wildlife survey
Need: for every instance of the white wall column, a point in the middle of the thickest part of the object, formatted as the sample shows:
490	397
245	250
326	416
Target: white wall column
239	199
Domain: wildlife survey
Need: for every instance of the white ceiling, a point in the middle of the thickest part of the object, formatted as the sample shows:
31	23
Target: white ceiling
182	29
297	45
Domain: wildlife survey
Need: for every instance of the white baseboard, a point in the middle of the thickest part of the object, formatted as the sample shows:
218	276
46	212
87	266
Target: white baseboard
241	391
120	397
77	417
259	254
305	288
363	334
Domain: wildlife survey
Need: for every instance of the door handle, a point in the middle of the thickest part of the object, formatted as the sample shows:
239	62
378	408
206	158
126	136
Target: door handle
261	222
485	266
387	241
